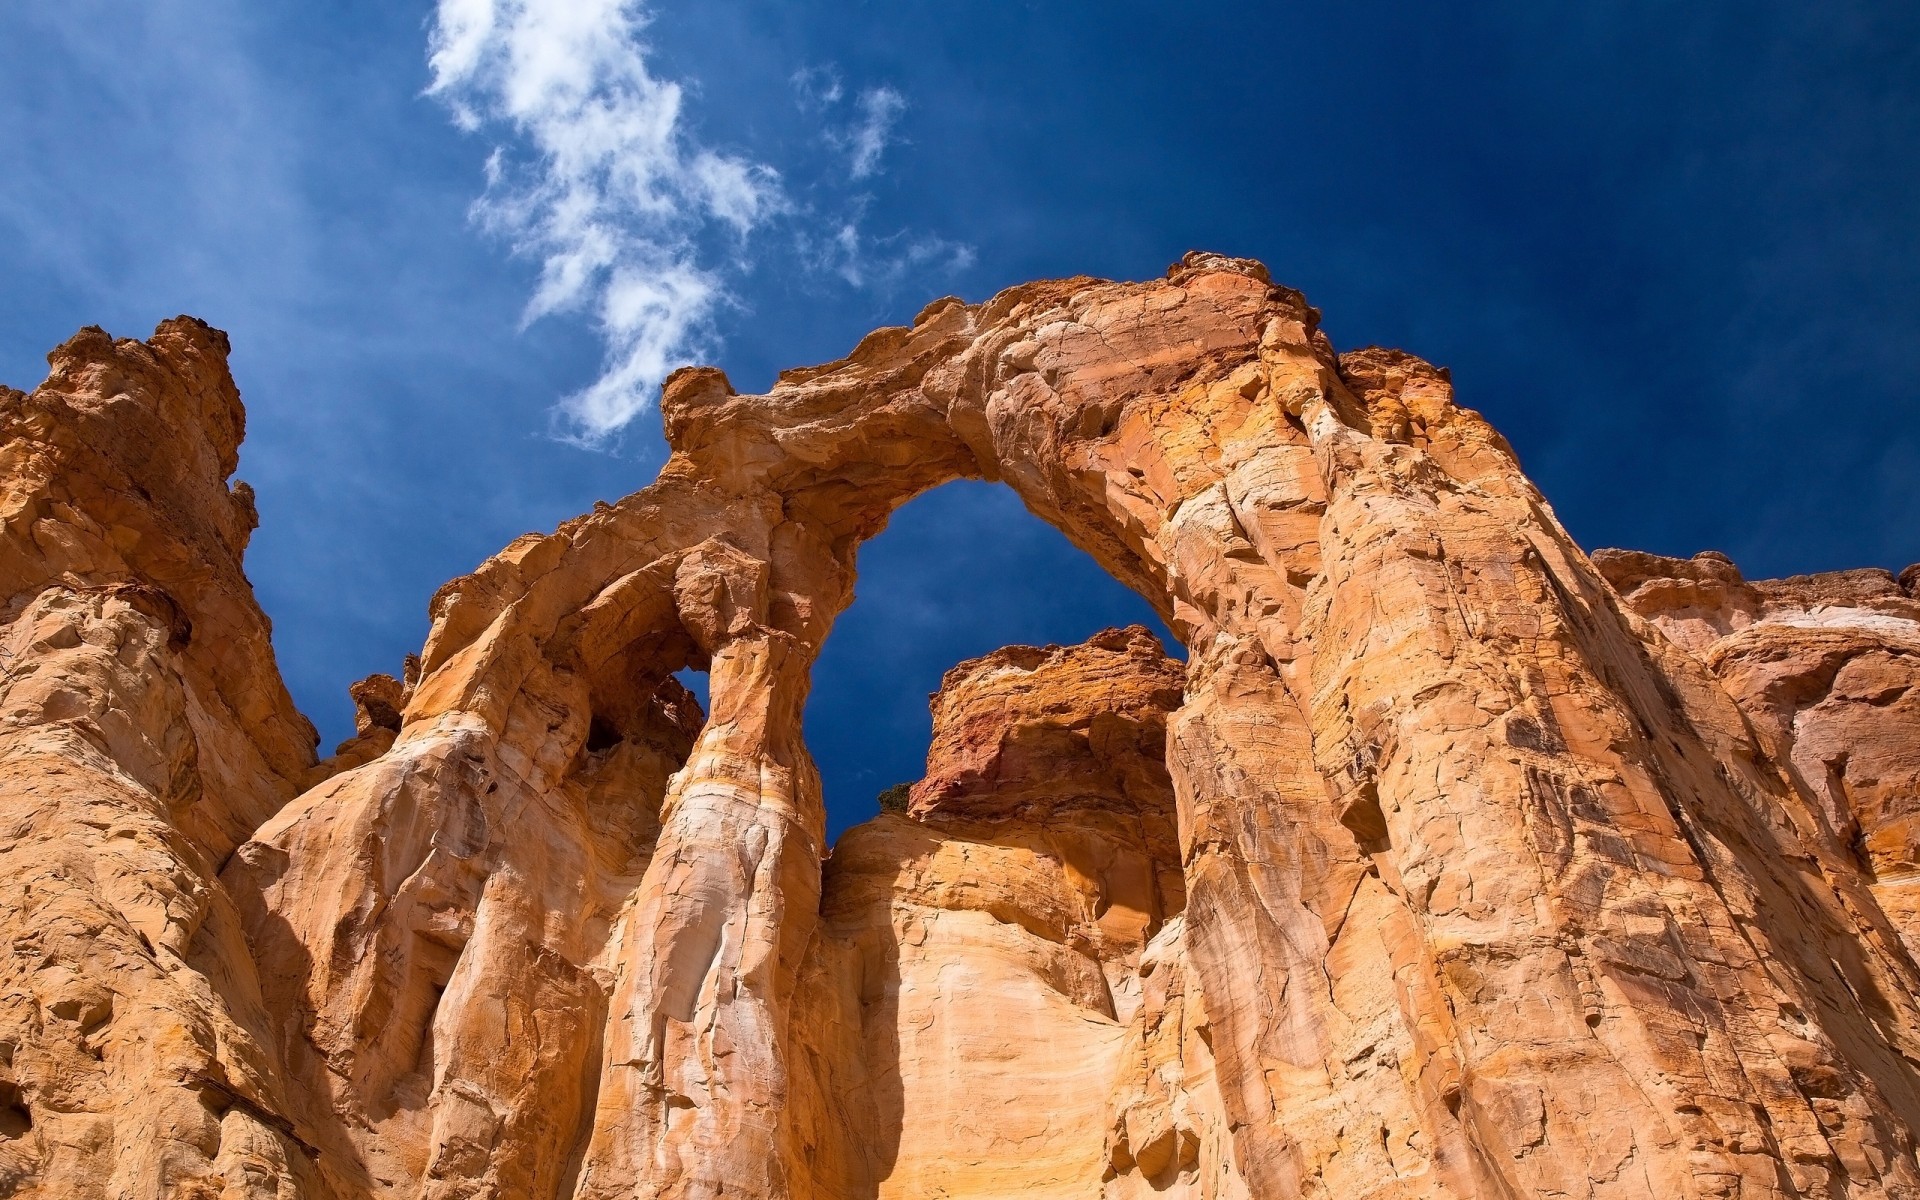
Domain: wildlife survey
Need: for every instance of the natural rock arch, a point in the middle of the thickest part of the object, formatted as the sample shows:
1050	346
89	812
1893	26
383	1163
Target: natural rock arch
1490	890
959	571
738	559
1420	739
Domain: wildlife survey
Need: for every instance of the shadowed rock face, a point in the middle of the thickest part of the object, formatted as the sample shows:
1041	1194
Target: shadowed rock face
1453	863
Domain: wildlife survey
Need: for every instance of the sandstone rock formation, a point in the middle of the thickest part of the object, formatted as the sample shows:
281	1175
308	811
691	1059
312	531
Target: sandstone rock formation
1017	936
1827	667
144	733
1452	862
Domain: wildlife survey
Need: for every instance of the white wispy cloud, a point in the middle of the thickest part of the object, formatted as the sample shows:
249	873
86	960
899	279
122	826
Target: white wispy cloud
600	180
866	136
597	175
864	260
819	87
861	128
879	108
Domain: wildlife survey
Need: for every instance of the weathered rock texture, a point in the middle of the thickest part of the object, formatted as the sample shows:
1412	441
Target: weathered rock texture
1827	667
1452	863
996	1002
144	733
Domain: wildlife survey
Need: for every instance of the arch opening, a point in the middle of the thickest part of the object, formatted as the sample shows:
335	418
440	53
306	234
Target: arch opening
960	571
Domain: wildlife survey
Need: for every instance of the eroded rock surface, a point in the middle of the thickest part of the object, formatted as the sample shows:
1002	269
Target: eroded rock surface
1452	863
1827	667
996	1002
144	733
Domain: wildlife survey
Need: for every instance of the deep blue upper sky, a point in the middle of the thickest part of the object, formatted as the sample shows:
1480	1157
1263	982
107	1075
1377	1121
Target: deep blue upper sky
1672	251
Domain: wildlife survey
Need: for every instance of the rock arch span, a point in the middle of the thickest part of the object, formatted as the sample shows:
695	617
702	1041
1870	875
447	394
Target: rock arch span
1490	890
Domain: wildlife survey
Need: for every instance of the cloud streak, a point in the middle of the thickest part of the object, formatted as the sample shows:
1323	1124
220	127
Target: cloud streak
596	175
879	108
600	181
820	91
866	261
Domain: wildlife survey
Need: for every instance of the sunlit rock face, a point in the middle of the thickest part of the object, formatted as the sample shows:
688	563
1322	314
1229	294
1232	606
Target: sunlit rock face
1827	668
997	1002
1451	862
144	734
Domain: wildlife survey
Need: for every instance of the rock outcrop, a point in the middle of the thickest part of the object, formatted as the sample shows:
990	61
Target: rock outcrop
1827	667
144	734
1016	935
1452	862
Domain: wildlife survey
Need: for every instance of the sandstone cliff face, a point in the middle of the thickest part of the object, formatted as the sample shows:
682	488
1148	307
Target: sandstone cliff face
1827	667
996	999
1452	863
144	733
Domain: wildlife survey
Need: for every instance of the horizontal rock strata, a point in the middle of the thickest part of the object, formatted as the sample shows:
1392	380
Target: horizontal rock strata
1453	862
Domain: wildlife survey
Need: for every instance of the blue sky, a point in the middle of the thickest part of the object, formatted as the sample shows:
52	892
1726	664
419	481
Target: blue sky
1673	251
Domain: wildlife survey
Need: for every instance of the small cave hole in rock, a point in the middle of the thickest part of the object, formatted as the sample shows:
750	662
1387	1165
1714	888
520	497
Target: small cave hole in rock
16	1119
959	572
602	734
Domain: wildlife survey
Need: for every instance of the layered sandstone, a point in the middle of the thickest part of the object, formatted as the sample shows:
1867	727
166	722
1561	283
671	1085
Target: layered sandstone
144	733
1452	862
997	1000
1827	667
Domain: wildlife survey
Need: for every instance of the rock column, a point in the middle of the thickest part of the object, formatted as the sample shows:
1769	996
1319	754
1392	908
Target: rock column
695	1081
